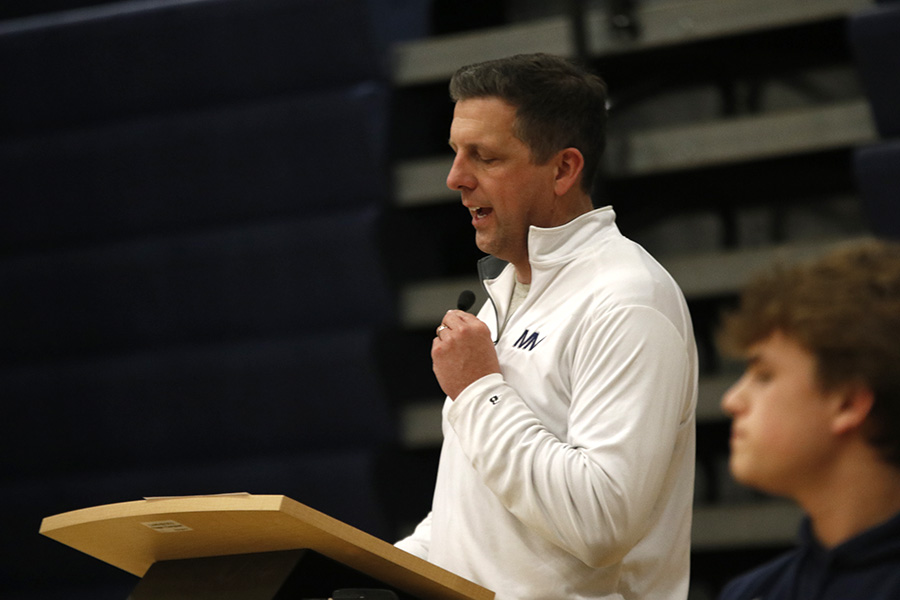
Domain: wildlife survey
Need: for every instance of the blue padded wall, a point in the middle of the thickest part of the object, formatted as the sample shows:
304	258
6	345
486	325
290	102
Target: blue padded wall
275	279
189	257
875	39
877	169
137	57
196	168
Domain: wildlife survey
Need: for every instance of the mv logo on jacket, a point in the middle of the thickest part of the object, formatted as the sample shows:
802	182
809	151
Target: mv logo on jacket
528	341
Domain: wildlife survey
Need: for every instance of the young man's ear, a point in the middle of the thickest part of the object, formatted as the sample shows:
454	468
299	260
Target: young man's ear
569	166
855	405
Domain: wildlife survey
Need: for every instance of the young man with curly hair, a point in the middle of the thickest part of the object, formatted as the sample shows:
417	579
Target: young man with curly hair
816	418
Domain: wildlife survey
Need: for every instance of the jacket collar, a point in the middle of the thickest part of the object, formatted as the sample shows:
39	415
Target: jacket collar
549	245
873	545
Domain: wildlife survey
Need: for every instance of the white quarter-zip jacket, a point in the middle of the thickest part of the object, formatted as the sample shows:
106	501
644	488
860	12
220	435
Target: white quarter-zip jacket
570	474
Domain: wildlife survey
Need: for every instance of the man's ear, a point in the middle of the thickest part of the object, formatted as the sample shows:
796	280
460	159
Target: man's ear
569	167
855	405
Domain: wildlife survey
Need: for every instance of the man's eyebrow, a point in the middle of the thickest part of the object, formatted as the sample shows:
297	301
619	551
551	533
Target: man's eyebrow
473	147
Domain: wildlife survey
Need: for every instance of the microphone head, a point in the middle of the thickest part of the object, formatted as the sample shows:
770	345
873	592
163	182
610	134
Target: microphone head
466	300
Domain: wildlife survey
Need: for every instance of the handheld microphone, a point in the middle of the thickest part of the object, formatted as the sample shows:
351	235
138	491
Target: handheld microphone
466	300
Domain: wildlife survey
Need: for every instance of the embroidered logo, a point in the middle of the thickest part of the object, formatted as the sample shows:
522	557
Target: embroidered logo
494	399
528	341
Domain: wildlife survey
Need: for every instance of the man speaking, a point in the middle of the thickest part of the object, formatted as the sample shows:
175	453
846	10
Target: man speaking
568	458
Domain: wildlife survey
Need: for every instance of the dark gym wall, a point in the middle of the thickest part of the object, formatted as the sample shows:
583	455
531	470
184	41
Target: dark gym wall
192	289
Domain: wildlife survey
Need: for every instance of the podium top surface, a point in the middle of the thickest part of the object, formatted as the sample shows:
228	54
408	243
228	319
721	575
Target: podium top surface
134	535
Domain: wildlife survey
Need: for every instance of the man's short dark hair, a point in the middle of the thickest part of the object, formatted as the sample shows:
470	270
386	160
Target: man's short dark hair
558	104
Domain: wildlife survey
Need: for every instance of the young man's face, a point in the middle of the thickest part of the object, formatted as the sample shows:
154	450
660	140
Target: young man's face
502	187
781	437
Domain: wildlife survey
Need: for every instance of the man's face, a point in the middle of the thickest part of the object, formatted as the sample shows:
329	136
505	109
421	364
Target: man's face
504	190
781	436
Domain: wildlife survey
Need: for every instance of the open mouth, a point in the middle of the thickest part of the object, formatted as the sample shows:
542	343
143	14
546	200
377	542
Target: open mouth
480	212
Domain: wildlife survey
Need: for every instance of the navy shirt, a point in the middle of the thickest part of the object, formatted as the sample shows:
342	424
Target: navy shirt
866	567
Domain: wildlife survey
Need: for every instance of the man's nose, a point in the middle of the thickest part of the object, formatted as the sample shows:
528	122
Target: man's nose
458	178
732	399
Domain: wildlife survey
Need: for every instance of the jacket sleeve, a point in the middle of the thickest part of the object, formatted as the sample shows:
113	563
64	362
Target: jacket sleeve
631	381
419	541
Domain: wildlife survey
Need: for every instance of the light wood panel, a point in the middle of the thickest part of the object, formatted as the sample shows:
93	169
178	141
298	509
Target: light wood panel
134	535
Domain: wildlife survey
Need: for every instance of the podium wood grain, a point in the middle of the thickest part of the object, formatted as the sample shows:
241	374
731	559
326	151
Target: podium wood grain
134	535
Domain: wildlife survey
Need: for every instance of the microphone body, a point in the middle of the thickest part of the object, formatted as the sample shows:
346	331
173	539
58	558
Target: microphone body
466	300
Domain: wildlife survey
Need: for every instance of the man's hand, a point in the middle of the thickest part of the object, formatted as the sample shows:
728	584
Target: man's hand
462	352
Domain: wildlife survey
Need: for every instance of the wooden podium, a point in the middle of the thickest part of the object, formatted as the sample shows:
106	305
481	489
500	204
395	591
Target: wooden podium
137	535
